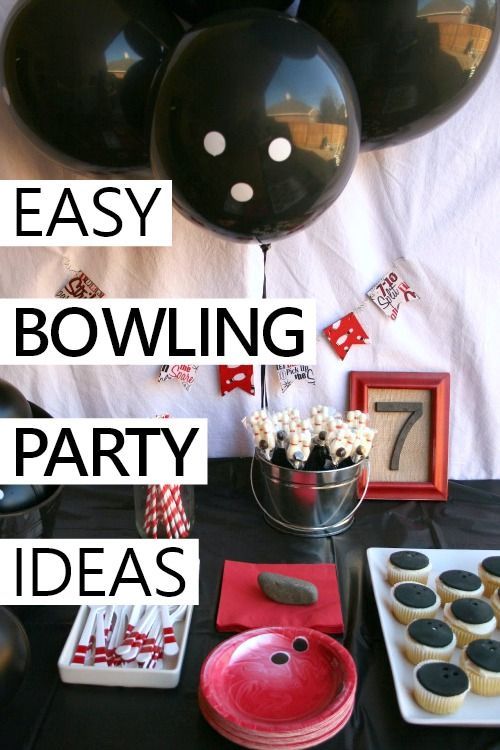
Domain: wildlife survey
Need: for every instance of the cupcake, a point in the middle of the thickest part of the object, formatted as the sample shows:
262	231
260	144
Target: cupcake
408	565
489	572
495	603
429	639
412	601
456	584
470	619
481	662
439	687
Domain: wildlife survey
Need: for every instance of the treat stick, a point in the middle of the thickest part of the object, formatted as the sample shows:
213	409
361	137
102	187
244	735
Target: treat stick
128	651
117	634
85	641
170	647
145	654
108	621
100	660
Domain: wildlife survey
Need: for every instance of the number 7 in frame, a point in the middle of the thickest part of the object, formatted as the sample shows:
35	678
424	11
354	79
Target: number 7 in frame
435	486
416	410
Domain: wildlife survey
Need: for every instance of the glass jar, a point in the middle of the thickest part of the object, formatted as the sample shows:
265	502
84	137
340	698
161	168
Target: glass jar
169	508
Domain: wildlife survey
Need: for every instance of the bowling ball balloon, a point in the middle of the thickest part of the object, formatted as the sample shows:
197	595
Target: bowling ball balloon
14	655
19	497
12	402
414	62
256	123
77	77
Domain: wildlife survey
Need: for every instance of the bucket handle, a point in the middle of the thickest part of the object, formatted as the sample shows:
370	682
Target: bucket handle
311	528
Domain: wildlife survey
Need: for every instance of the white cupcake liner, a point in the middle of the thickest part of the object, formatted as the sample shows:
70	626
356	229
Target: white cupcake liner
449	594
481	684
495	605
398	575
406	614
435	704
491	582
418	652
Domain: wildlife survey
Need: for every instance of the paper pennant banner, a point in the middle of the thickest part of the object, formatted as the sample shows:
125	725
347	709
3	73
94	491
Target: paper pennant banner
390	292
345	333
185	374
236	376
80	287
289	374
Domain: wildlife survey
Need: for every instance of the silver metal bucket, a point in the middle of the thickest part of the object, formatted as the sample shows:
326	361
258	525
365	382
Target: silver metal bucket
309	503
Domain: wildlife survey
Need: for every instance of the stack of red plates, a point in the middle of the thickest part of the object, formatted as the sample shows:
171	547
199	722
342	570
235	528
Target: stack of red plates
283	687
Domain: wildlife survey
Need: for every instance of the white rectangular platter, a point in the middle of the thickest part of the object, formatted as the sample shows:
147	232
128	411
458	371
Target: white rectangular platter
168	677
476	711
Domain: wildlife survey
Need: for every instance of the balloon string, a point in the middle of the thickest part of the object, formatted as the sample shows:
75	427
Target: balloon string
263	387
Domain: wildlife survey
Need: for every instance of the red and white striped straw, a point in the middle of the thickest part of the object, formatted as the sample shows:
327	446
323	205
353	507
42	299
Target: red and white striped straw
164	506
176	492
147	510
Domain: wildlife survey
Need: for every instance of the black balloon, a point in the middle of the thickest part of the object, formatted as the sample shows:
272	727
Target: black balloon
195	11
14	655
222	5
78	76
19	497
13	405
414	62
16	498
256	123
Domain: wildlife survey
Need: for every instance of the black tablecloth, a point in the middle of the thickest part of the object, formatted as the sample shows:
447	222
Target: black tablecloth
48	715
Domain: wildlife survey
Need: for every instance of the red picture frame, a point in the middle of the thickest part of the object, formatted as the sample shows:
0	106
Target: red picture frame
436	488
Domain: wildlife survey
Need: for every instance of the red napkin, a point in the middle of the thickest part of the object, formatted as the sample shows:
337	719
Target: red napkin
243	605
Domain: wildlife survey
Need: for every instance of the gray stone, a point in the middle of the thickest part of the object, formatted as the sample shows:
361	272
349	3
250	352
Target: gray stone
287	590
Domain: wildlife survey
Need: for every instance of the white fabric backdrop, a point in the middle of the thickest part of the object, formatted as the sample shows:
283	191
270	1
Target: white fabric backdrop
434	201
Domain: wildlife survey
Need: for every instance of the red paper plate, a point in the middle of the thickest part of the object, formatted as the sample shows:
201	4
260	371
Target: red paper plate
315	729
258	743
279	739
280	680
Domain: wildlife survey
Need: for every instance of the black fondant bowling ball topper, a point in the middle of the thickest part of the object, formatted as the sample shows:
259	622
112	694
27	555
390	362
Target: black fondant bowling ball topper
78	77
256	123
14	655
414	62
13	404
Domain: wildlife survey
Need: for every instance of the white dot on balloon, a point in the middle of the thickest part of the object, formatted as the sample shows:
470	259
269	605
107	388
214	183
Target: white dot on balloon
242	192
2	495
214	143
280	149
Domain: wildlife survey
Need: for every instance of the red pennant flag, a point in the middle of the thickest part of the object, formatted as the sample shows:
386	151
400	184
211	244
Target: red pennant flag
236	376
345	333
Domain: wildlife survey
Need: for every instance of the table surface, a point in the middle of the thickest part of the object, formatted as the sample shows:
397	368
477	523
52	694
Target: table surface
47	714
